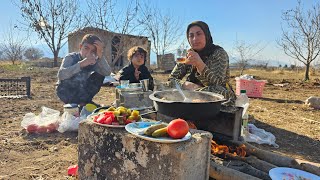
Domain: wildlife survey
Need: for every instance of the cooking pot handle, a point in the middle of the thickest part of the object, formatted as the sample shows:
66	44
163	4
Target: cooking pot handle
98	109
146	113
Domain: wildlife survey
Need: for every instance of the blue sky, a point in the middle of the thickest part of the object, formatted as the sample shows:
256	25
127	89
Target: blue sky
251	21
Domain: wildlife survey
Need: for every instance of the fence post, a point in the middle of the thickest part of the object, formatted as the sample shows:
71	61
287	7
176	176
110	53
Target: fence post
28	85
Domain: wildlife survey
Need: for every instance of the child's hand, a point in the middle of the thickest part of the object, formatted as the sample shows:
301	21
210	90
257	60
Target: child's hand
137	74
99	45
89	60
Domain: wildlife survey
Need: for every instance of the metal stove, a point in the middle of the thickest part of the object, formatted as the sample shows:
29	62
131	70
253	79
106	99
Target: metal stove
227	122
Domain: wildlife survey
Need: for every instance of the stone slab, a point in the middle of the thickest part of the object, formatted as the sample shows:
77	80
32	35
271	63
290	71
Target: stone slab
113	153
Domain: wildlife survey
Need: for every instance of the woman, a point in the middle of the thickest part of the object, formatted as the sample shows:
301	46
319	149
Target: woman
207	65
136	69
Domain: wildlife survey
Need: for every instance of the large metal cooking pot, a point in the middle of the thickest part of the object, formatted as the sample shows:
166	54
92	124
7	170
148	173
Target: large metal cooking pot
204	105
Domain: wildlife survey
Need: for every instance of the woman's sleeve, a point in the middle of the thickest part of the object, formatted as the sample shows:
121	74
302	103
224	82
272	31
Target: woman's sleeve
216	71
178	72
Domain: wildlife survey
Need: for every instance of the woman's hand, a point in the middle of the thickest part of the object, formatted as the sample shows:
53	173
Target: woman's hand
194	59
136	73
99	45
190	86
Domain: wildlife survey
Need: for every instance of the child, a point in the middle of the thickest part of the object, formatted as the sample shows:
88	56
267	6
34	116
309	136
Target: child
136	69
81	74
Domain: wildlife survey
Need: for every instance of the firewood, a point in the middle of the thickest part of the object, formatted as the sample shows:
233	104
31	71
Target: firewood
280	160
248	169
256	163
220	172
241	166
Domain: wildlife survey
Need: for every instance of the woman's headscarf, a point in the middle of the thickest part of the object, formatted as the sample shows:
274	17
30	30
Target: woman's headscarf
205	52
210	47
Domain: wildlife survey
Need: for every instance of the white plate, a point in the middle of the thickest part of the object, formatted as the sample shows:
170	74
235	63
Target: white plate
106	125
110	125
284	173
137	127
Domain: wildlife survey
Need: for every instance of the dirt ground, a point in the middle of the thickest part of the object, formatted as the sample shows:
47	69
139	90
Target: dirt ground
281	111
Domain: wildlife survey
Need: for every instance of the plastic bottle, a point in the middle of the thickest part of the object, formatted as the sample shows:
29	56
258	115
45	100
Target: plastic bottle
243	101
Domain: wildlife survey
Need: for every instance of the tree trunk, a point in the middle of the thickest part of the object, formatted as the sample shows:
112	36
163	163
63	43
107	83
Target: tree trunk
242	69
55	58
306	75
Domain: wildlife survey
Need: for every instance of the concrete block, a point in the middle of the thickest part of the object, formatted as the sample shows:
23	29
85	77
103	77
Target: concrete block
113	153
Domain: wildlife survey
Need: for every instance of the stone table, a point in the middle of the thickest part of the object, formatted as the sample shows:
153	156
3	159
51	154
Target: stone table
113	153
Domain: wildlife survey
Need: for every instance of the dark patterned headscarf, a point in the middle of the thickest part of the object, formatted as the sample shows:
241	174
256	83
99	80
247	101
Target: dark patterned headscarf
210	47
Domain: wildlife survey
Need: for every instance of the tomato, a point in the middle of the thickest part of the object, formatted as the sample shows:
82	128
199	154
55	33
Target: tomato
110	114
178	128
108	120
52	127
42	129
73	170
129	121
95	118
101	118
32	128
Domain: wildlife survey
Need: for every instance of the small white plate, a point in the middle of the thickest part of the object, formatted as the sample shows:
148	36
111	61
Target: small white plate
284	173
137	127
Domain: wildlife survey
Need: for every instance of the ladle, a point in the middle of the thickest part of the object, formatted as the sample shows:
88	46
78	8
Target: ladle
185	99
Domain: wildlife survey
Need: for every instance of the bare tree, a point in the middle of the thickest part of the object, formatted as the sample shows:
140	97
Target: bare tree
262	64
13	46
52	20
301	40
106	15
246	53
163	29
33	53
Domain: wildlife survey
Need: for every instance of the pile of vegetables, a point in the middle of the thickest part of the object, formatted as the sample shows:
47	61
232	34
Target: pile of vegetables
176	129
117	116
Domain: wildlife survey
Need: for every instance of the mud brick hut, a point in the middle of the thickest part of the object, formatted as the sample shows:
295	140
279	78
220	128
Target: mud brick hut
116	45
166	62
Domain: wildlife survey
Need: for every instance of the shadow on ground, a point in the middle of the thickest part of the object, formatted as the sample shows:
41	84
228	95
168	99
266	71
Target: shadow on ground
282	100
290	143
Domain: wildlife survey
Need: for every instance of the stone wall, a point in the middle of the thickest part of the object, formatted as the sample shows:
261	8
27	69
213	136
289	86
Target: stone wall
166	62
116	45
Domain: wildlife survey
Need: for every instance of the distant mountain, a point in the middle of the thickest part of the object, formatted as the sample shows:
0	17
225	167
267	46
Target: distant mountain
233	60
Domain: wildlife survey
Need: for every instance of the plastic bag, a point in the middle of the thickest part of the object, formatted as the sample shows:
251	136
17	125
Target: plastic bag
69	122
46	121
259	136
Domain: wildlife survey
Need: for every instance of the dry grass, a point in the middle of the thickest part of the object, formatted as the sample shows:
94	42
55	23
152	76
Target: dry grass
281	111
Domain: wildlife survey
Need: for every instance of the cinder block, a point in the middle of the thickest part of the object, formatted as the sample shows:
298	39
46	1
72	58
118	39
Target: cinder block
113	153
